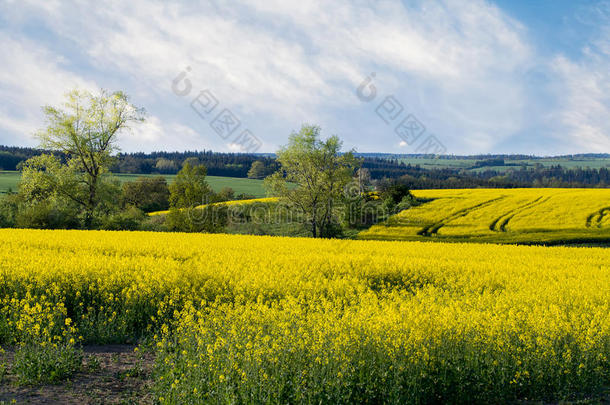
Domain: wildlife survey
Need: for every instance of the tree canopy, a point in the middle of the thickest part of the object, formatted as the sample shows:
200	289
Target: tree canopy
321	173
85	130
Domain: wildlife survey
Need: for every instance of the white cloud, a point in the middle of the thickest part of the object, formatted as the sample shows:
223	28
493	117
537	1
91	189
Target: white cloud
583	88
585	103
299	60
457	65
154	134
31	77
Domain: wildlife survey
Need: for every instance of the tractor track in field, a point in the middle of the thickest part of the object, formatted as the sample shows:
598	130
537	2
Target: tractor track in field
595	219
499	224
506	220
433	228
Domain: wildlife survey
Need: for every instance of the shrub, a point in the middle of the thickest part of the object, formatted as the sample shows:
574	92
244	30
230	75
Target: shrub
147	193
48	214
37	364
208	219
128	220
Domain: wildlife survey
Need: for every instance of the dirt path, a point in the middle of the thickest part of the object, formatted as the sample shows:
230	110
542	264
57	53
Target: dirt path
112	374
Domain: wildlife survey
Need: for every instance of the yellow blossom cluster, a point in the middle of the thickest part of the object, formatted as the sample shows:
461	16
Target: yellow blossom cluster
245	319
227	203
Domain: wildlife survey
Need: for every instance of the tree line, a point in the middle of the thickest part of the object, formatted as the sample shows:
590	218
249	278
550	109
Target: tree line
70	186
240	165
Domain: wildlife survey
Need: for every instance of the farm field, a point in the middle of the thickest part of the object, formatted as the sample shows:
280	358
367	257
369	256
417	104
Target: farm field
246	319
552	216
469	164
227	203
10	181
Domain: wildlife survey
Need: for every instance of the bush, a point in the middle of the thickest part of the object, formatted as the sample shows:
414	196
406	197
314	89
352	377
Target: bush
37	364
48	214
226	194
8	211
128	220
396	192
209	219
147	193
156	223
361	212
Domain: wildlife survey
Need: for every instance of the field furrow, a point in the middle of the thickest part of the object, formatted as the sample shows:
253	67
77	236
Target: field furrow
530	216
501	219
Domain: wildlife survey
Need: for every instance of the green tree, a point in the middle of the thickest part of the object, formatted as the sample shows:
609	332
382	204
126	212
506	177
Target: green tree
257	170
190	188
85	129
226	194
166	166
321	174
193	161
51	194
147	193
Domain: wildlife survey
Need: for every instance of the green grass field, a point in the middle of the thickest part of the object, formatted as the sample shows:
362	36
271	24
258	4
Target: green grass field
10	181
515	164
524	216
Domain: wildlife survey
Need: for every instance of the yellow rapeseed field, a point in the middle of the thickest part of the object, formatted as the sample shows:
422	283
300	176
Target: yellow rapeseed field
245	319
228	203
501	215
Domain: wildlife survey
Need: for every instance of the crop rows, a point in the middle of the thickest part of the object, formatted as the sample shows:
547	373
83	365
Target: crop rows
501	215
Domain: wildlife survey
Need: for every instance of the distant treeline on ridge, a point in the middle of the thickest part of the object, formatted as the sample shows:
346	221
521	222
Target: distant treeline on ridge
380	166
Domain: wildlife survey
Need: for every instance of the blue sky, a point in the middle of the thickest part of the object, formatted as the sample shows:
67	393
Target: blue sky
479	76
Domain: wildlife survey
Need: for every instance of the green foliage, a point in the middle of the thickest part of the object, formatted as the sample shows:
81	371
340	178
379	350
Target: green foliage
147	193
396	192
45	176
129	219
8	211
226	194
37	364
85	129
166	166
257	170
193	161
320	173
3	372
53	195
190	188
362	211
396	197
49	214
208	219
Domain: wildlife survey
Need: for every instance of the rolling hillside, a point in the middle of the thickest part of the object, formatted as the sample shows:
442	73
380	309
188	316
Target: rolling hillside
550	216
9	180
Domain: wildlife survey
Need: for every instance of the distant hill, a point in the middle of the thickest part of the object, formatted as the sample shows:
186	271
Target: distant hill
418	171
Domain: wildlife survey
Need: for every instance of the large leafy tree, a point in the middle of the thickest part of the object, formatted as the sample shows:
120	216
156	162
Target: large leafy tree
190	187
320	172
84	129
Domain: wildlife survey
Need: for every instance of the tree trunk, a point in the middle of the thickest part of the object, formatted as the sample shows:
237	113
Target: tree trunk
91	203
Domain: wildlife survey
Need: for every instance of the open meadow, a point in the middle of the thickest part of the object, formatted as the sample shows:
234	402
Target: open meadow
547	216
9	181
246	319
509	163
